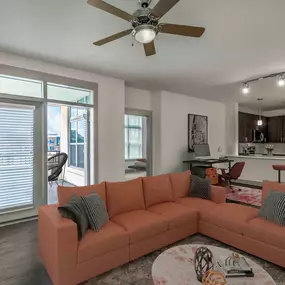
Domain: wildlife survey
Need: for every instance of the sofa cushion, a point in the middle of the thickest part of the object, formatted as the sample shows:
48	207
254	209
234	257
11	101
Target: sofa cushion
175	214
266	231
204	207
180	183
65	193
233	217
157	189
124	196
141	224
109	238
269	186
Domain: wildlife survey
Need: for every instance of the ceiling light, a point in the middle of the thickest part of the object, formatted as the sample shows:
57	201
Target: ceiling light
281	80
259	122
144	34
245	88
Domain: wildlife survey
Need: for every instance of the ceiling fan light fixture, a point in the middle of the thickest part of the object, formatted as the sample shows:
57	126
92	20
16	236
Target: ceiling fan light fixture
145	34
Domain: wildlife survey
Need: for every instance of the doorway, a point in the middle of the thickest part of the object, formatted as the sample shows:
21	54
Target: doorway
138	144
68	133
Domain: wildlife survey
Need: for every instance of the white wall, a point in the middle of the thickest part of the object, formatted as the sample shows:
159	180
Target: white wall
274	113
232	145
169	119
248	110
156	100
111	108
138	99
172	124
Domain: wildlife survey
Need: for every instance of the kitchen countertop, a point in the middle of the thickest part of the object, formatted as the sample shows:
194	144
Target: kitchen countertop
258	156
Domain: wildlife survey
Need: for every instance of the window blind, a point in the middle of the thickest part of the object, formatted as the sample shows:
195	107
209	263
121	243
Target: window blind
16	156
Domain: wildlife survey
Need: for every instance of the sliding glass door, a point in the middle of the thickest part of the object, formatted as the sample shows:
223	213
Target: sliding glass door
21	159
47	138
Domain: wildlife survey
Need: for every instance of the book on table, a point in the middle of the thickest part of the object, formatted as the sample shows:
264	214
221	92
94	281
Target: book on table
231	267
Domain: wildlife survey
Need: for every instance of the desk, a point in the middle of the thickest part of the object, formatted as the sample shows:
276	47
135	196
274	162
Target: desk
208	162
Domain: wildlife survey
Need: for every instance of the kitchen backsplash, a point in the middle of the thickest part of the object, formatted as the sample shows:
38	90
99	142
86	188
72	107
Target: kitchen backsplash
279	148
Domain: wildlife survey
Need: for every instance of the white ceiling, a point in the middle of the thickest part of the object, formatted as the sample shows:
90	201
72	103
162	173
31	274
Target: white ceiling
243	39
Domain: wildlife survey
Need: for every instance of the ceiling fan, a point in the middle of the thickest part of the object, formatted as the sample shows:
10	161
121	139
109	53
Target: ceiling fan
145	23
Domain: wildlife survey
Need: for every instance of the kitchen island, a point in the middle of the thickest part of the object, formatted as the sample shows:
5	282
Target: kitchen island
258	167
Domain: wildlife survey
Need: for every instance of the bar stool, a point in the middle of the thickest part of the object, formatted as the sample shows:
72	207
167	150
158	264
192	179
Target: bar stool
279	168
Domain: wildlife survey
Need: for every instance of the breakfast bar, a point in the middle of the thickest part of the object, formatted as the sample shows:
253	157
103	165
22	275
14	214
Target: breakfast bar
258	167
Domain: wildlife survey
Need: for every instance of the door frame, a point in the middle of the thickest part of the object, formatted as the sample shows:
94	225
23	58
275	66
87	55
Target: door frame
148	114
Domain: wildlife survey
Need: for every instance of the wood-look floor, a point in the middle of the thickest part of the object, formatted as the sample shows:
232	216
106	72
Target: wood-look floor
19	260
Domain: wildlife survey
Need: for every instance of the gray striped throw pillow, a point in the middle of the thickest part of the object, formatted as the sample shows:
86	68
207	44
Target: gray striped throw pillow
273	208
95	210
200	188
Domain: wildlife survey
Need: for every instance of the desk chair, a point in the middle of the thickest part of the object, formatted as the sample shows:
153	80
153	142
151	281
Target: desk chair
233	174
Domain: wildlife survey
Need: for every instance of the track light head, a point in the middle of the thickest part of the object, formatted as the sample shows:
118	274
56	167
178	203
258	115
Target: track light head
245	88
281	80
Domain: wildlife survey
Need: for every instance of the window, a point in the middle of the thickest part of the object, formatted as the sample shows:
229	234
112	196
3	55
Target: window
133	137
16	156
21	86
77	123
69	94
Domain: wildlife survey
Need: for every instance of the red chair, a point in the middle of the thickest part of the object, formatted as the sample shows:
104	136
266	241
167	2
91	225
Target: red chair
279	168
233	174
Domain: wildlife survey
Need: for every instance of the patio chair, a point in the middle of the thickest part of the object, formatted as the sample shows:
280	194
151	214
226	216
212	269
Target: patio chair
55	165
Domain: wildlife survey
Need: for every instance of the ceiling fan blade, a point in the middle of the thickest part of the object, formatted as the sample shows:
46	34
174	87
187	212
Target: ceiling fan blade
181	30
162	7
112	38
149	49
110	9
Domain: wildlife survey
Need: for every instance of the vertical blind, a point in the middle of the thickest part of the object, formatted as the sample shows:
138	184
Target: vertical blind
16	156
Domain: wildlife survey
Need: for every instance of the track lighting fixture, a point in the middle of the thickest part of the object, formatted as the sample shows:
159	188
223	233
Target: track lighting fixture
281	80
245	88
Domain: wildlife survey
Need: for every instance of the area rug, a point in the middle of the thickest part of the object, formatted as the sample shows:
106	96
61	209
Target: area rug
244	195
138	272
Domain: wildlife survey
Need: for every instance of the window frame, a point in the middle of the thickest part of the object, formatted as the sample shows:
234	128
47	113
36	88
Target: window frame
130	127
69	81
75	120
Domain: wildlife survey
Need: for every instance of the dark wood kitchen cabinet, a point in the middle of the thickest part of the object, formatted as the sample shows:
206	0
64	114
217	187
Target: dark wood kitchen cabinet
248	123
276	129
242	126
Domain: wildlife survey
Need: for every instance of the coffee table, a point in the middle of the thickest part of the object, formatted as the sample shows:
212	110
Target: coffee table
175	266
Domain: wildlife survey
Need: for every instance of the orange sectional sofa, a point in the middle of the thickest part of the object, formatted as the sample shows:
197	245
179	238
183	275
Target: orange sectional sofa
147	214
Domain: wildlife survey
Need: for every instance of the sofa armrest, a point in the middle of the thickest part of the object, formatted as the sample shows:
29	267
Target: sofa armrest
218	194
58	244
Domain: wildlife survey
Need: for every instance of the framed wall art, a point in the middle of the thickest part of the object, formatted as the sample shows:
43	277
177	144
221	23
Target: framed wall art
197	130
